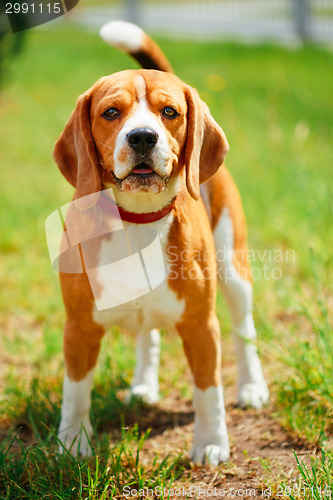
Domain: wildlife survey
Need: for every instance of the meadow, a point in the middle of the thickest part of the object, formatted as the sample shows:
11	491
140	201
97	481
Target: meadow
275	105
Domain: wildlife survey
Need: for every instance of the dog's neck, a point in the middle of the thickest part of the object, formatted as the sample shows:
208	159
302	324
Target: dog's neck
146	202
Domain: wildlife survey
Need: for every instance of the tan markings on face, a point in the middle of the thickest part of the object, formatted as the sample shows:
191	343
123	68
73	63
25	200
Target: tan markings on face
123	156
115	91
139	96
161	94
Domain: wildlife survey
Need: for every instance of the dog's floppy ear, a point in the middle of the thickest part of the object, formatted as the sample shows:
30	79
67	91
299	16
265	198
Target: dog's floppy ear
75	152
206	143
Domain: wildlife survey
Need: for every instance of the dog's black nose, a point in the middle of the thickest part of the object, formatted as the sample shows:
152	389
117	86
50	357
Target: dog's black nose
142	139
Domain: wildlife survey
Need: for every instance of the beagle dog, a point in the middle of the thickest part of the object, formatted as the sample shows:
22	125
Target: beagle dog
148	139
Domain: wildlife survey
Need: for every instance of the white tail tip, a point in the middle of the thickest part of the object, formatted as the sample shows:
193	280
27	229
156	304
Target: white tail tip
126	36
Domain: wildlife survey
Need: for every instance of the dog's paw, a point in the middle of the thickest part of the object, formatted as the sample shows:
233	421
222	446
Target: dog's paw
144	392
253	395
211	454
76	440
210	443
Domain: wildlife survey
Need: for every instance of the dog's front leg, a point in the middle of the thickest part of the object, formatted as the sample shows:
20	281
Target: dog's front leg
202	345
81	347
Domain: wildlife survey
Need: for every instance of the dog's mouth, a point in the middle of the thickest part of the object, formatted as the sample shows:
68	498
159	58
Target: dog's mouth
142	169
144	179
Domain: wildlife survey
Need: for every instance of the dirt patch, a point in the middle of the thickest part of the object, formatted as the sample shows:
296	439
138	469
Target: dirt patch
261	454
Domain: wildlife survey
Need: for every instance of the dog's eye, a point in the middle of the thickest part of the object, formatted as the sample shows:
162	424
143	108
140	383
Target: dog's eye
170	112
111	114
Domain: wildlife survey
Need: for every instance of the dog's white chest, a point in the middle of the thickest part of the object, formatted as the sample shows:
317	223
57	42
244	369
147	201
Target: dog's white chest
132	290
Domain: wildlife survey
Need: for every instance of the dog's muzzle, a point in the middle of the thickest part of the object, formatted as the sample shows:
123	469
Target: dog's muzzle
143	177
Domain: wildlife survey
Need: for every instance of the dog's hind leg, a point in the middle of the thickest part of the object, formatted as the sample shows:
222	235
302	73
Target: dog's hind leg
235	282
145	382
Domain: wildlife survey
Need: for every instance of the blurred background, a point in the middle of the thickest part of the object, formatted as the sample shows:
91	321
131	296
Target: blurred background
265	68
280	20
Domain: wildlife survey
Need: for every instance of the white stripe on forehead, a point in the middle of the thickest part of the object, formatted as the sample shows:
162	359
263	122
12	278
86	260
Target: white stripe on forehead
141	117
140	87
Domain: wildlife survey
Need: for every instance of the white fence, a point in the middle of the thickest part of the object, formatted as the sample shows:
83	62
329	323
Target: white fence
283	20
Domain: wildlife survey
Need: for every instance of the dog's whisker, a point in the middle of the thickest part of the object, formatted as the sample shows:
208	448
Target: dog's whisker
112	149
107	172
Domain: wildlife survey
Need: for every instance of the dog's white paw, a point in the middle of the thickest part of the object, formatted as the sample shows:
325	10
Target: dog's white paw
210	454
210	444
253	395
145	392
76	439
210	440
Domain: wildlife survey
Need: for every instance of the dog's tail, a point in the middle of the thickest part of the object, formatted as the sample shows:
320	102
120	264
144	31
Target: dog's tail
131	39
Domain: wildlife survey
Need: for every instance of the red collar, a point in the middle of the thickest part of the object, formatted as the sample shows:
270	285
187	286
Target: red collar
108	205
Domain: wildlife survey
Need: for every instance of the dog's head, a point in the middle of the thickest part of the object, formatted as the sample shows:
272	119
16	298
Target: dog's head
138	129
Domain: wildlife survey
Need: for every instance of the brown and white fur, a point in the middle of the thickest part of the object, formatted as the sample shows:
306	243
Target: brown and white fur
187	149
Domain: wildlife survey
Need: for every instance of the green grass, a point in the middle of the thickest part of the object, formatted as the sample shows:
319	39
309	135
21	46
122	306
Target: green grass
305	396
311	478
35	472
276	108
314	481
